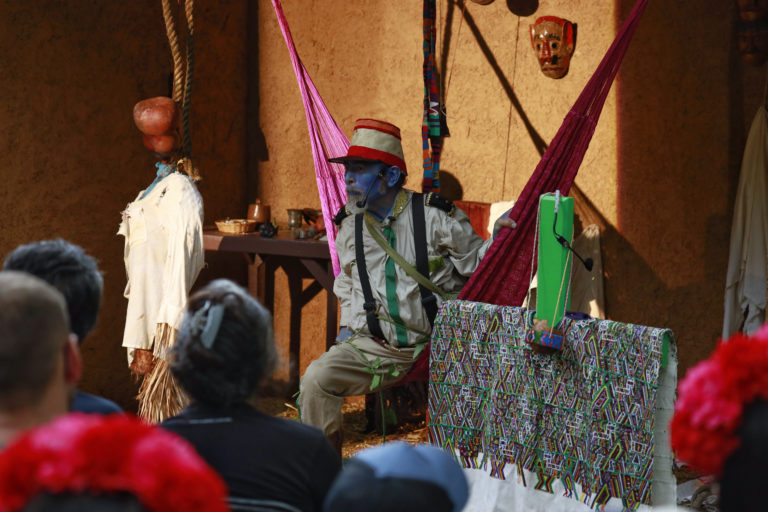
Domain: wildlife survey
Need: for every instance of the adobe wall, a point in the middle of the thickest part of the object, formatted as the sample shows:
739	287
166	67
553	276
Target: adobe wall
71	155
659	176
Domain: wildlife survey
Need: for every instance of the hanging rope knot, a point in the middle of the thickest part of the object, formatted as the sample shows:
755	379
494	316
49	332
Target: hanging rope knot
186	166
182	79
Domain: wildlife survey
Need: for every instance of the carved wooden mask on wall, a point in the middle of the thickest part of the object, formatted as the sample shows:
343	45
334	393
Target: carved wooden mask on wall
553	41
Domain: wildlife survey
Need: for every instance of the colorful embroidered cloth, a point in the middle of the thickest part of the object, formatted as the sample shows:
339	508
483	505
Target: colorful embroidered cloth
583	417
433	127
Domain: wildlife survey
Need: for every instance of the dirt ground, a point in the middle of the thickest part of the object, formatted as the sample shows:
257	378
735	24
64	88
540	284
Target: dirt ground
413	430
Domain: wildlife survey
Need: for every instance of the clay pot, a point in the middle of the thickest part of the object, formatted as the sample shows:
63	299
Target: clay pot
259	212
163	145
155	116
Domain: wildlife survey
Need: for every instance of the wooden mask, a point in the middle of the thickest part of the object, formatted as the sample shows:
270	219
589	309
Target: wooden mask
552	40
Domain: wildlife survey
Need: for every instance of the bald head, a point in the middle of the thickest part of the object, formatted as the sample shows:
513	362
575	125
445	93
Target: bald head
34	329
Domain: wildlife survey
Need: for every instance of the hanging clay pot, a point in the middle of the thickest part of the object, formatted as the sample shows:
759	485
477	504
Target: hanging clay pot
155	116
162	145
752	10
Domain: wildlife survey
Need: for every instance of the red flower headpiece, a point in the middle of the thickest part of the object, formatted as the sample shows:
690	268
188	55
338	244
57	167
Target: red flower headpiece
81	453
712	398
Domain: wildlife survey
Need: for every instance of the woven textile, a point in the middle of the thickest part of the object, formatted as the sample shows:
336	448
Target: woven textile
583	417
433	127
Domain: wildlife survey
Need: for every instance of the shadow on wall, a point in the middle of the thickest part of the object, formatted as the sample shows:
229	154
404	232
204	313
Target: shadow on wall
678	153
537	140
635	294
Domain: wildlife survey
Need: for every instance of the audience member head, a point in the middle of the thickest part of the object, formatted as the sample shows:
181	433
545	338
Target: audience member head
720	425
398	477
71	271
39	358
106	463
225	346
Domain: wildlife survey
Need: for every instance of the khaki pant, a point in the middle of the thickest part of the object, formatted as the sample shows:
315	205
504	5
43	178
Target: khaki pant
347	369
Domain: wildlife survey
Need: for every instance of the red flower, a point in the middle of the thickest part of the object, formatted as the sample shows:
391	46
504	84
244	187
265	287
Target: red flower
91	453
712	398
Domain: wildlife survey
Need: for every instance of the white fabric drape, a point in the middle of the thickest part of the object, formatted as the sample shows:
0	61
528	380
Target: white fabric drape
745	287
163	256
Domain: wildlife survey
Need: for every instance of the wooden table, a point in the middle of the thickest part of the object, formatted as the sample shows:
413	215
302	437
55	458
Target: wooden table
299	259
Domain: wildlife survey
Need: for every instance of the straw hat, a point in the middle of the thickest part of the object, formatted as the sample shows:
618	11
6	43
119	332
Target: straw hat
375	141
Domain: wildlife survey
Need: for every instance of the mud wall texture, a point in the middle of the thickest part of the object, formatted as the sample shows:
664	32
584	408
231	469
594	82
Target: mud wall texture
660	174
71	155
659	177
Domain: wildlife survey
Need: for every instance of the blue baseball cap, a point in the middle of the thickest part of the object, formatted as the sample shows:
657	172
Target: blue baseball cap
399	477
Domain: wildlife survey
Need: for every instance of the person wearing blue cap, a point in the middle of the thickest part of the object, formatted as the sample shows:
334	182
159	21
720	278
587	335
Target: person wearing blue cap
398	477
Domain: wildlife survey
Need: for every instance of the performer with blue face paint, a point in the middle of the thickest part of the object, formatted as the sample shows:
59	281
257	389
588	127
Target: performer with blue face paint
401	255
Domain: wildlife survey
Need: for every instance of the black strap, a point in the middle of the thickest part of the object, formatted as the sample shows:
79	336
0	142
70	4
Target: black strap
369	305
428	299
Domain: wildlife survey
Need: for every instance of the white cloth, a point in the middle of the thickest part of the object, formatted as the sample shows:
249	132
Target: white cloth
163	256
450	239
745	285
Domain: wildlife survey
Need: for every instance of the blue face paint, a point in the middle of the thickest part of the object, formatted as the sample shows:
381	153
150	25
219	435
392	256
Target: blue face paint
365	185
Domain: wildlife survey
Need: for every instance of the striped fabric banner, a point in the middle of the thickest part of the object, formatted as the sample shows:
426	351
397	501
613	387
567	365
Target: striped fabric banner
433	127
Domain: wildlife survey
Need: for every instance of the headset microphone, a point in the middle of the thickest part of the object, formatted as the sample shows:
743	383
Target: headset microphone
588	263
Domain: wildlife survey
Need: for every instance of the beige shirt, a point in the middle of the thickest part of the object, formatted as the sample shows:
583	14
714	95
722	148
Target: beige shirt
454	251
163	256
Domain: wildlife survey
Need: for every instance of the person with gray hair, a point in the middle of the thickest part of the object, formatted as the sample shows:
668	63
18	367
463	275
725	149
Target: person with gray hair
39	358
224	349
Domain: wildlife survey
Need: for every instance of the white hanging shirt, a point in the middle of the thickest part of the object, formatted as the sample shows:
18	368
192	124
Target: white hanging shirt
163	256
745	285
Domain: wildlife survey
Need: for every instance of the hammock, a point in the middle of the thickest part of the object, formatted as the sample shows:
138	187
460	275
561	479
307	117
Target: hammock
326	138
503	274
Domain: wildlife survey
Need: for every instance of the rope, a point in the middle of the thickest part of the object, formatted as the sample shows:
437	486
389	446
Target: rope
509	121
453	58
189	6
182	81
173	41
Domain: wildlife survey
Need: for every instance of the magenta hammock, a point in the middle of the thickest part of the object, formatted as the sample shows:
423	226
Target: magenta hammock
326	138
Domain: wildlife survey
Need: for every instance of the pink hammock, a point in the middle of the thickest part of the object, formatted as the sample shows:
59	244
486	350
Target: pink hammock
326	138
502	277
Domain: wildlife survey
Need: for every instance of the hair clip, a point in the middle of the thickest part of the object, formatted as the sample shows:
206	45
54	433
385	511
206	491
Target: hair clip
206	322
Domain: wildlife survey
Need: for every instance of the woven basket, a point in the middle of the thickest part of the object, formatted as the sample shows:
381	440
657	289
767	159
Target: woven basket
236	225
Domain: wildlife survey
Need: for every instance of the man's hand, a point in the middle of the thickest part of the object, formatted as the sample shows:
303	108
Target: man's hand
503	222
143	362
344	333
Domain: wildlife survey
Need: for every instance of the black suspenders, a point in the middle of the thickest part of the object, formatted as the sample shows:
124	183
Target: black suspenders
369	305
428	299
